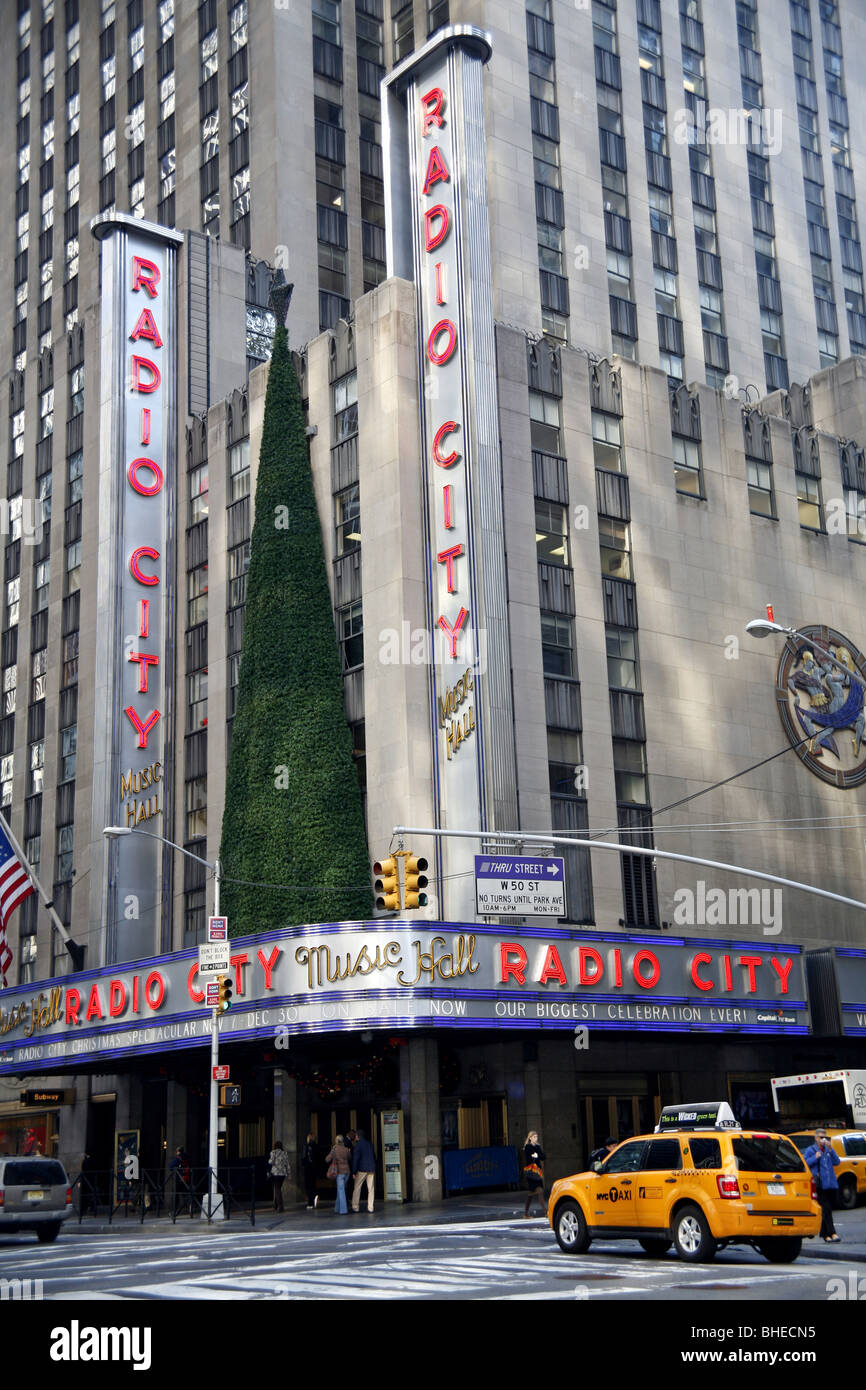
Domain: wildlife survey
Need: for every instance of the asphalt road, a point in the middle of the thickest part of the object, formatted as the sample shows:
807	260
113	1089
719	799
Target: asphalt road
352	1259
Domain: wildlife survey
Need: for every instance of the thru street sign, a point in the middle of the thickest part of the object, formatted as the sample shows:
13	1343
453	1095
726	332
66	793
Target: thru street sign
519	887
213	960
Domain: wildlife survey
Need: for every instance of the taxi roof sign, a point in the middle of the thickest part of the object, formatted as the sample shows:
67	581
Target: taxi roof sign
713	1114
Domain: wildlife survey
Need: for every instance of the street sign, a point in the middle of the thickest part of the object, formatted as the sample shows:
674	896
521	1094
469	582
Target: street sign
230	1095
220	1073
213	960
212	994
506	886
217	928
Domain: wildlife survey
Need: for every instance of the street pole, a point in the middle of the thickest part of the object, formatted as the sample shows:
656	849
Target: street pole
214	1211
521	838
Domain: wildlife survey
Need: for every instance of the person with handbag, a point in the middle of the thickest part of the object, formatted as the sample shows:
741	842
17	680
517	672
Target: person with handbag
533	1169
340	1167
279	1169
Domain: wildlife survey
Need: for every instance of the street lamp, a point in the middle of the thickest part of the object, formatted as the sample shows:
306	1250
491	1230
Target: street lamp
763	627
215	1209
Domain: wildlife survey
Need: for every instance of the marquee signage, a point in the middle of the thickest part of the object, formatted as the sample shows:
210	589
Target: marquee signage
326	978
851	976
438	235
136	553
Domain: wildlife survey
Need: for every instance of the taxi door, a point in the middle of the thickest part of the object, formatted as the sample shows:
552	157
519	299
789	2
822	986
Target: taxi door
659	1176
613	1193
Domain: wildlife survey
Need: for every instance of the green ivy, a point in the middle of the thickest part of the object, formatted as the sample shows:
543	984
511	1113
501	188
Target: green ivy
293	813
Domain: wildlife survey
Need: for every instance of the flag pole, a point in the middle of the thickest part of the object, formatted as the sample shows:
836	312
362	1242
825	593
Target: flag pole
75	951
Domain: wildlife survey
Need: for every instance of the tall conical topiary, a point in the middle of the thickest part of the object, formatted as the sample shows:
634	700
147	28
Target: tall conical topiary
293	812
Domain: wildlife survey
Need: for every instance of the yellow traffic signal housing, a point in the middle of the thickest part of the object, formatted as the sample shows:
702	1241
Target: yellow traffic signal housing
387	884
225	996
414	878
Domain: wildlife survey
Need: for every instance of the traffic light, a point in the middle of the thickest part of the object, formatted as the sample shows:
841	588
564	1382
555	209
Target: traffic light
414	878
225	999
387	884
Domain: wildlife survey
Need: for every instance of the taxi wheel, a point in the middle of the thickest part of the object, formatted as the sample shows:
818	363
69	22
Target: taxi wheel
570	1228
692	1235
655	1245
781	1250
847	1194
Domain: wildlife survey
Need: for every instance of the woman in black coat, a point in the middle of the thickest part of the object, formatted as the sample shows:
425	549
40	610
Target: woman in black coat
533	1169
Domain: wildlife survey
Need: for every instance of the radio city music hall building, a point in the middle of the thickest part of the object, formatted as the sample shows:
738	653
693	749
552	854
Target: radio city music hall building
561	457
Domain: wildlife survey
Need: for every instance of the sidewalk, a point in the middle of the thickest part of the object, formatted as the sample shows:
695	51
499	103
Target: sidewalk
487	1206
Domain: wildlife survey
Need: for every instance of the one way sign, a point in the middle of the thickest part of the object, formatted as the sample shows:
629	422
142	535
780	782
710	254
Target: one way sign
510	887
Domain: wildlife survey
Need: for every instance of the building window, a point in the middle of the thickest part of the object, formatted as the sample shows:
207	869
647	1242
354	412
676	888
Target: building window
544	422
13	594
74	477
347	506
166	96
37	768
551	540
41	578
136	50
261	325
196	808
350	625
196	699
76	391
196	594
607	441
403	29
622	667
37	668
70	659
687	466
68	752
345	407
809	502
564	757
759	476
239	470
198	494
10	685
234	675
238	566
208	56
109	151
326	21
629	770
6	771
17	434
615	549
135	125
46	413
166	20
238	26
557	645
73	567
240	109
65	837
210	136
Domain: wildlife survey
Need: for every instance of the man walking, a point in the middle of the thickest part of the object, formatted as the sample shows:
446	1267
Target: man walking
822	1159
364	1168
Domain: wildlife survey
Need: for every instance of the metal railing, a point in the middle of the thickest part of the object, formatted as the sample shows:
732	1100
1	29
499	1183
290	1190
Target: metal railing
154	1193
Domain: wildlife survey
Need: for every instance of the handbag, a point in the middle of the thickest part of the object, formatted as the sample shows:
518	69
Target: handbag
332	1170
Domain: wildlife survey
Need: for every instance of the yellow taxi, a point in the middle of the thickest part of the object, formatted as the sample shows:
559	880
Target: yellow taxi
850	1145
699	1182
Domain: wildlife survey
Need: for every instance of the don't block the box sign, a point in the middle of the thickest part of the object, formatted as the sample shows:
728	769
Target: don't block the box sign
438	235
133	735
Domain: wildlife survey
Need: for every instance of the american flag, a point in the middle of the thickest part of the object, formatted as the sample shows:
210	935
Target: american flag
15	886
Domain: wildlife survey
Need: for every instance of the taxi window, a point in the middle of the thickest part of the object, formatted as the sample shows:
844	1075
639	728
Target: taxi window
705	1153
662	1154
626	1159
855	1144
767	1154
803	1141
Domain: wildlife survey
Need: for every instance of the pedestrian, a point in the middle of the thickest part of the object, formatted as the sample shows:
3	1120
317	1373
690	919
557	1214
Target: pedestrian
279	1168
364	1168
86	1188
599	1156
308	1163
822	1159
340	1168
533	1168
180	1167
